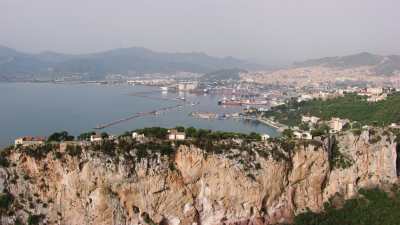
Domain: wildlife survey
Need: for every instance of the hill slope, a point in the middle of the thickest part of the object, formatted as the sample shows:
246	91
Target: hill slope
383	65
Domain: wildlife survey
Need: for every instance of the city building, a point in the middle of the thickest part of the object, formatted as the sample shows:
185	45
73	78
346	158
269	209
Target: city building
186	86
375	91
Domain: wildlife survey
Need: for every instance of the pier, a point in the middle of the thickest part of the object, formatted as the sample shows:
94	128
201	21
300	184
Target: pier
136	115
146	94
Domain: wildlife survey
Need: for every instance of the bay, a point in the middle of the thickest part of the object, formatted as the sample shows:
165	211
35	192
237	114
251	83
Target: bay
39	109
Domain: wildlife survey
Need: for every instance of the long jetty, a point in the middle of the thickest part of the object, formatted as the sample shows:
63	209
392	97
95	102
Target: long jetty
136	115
145	94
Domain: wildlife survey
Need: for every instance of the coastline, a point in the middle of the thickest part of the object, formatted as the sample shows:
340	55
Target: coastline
280	127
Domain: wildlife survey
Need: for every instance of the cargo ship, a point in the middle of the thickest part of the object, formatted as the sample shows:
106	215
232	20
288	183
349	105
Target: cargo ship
230	102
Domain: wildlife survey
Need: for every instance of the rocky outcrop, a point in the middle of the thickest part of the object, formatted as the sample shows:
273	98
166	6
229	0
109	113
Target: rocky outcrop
193	186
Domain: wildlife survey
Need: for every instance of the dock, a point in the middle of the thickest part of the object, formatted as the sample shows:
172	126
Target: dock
146	94
136	115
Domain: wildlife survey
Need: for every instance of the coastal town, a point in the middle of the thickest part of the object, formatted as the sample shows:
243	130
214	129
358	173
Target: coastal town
307	126
199	112
253	99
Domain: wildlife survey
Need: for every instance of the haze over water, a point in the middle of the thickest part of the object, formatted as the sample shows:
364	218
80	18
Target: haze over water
41	109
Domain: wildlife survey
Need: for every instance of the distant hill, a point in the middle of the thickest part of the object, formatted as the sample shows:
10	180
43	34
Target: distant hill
382	65
224	74
97	65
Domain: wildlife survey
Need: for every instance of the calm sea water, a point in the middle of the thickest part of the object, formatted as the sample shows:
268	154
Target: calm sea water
41	109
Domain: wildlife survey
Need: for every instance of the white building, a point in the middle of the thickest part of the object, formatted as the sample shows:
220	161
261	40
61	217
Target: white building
394	125
304	97
96	138
264	137
302	135
337	124
377	98
310	119
137	136
175	135
375	91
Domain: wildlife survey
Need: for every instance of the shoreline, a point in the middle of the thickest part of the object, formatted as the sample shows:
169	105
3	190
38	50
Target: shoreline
280	127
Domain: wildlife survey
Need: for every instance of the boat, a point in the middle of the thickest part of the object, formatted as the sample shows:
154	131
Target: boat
230	102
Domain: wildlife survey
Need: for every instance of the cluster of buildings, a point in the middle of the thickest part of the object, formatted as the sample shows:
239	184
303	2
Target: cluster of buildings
151	82
335	124
375	94
173	135
304	76
187	86
320	95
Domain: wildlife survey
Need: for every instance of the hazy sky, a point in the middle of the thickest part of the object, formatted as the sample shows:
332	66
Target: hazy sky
263	30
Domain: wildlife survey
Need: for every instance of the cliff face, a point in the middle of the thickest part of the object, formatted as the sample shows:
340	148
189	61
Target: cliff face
195	187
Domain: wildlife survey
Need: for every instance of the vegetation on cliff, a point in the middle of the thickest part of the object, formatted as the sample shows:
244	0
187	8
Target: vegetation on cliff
339	160
373	207
241	155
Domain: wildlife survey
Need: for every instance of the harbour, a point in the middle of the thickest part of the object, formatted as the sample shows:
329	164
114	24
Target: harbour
113	108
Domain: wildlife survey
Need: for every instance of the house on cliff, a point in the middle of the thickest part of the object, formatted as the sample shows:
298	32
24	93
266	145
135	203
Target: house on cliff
29	141
174	135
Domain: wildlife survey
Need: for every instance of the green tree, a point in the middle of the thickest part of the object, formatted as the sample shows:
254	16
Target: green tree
191	132
180	129
86	136
104	135
6	199
60	136
288	133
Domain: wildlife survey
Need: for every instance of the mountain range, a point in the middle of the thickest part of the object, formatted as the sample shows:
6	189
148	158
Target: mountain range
380	65
137	61
133	60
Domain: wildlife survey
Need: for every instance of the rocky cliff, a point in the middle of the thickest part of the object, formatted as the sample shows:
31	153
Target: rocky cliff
266	184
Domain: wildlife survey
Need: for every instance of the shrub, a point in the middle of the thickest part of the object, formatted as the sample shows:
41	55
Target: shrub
338	159
74	150
156	132
86	136
40	151
58	155
356	132
374	140
4	161
6	199
375	207
147	219
141	153
35	219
